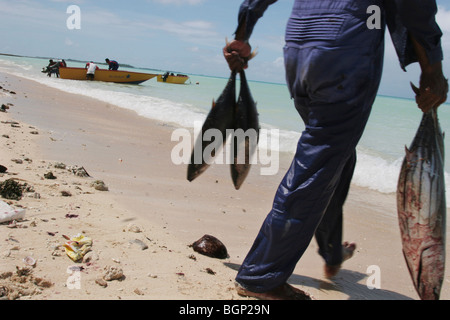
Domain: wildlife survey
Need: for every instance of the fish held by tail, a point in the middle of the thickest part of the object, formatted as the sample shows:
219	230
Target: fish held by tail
246	134
220	117
421	208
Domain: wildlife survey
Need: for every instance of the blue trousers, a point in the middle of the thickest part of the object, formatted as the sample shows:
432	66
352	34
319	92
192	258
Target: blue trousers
333	69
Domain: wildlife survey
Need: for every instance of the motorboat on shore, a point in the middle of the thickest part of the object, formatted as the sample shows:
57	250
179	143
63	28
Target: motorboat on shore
117	76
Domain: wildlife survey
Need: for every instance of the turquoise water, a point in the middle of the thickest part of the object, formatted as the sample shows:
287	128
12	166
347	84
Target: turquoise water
392	124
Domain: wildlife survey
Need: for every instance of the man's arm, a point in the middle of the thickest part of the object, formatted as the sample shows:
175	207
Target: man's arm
249	13
433	85
419	18
238	52
417	38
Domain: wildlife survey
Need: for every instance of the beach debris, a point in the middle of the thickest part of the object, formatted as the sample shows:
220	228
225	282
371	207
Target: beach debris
421	207
210	246
90	257
210	271
140	243
59	165
3	292
22	283
192	257
10	122
139	292
11	190
10	215
101	282
99	185
113	273
49	175
13	224
134	228
65	193
71	216
35	195
30	261
77	246
3	108
79	171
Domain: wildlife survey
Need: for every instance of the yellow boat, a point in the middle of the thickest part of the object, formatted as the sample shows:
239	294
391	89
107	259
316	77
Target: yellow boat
118	76
177	79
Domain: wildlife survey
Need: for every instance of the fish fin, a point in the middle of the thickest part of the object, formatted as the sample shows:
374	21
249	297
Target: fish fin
253	54
409	154
414	88
227	43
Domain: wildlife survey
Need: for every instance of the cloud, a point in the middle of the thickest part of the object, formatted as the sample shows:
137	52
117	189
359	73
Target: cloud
279	62
68	42
194	49
191	30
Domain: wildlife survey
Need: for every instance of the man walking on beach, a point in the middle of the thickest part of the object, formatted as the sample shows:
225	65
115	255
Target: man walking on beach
333	66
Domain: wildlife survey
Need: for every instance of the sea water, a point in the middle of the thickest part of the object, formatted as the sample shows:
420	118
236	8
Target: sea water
392	124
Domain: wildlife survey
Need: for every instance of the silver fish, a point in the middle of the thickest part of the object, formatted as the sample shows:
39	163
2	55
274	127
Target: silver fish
421	208
246	134
220	117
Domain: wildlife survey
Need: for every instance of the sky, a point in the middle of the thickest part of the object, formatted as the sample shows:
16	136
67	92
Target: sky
184	36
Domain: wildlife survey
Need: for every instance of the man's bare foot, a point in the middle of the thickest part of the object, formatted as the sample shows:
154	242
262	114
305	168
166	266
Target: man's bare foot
348	249
283	292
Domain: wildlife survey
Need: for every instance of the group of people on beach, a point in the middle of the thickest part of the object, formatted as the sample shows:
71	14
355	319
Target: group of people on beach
91	67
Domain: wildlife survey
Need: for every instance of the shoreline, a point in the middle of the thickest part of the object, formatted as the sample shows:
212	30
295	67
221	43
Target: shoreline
132	155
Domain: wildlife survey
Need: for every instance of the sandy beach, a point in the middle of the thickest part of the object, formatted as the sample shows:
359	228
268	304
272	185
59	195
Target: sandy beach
146	220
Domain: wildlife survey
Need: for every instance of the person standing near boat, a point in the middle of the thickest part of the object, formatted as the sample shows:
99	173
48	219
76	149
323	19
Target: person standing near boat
113	65
91	68
53	67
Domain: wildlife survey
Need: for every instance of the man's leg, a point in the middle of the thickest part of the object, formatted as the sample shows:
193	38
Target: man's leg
329	232
325	147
